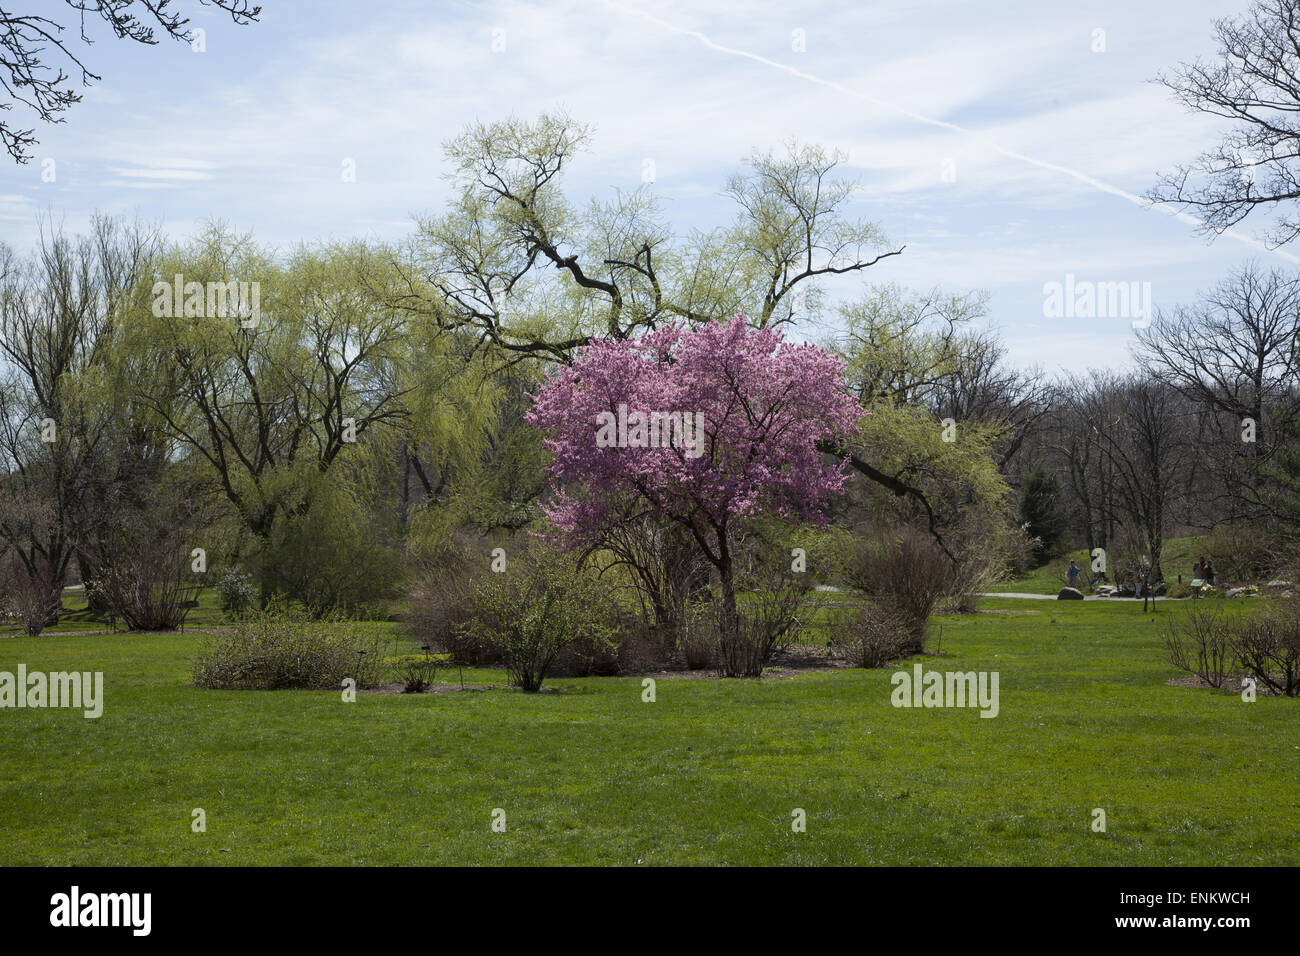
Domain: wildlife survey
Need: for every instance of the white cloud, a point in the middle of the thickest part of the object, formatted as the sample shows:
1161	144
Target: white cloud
257	129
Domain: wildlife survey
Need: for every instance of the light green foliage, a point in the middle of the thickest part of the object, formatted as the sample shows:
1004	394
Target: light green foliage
906	356
540	605
961	476
516	260
333	552
279	650
900	346
296	413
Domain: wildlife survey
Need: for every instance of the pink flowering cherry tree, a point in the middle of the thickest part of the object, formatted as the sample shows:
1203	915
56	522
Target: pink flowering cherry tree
705	427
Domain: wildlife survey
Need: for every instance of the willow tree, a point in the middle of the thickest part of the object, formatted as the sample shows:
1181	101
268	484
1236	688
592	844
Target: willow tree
539	274
284	391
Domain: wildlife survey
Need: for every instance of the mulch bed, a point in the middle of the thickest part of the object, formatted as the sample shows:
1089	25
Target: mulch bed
398	687
788	663
1230	685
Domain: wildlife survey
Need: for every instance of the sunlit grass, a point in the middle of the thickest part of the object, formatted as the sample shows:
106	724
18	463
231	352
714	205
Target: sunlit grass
709	773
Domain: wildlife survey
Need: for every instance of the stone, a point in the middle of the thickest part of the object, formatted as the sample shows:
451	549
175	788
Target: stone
1069	594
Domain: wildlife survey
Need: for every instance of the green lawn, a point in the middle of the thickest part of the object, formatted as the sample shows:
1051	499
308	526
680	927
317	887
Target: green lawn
708	774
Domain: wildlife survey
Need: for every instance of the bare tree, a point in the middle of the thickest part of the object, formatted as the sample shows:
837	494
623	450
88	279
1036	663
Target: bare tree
46	89
1235	354
984	388
1144	440
1081	407
1254	82
59	426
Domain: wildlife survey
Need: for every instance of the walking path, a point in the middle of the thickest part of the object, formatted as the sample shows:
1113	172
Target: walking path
1053	597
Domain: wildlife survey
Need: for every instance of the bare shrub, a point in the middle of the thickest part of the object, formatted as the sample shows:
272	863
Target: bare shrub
1200	644
698	636
973	579
1128	560
869	635
641	649
903	571
142	559
1268	646
145	586
439	602
29	595
767	622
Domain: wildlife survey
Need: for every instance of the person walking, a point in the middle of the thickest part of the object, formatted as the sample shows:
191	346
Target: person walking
1072	574
1209	573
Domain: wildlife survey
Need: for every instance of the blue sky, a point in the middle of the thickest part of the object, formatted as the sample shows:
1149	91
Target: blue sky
255	129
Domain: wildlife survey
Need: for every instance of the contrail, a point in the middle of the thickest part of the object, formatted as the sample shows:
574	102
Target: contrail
1083	177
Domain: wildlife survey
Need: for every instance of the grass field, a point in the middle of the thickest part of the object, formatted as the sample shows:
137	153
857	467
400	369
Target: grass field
709	773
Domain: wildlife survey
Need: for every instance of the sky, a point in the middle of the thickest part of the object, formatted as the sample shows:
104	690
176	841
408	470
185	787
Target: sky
1006	145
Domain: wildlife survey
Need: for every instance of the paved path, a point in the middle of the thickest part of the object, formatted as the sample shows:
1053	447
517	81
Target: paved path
202	629
1036	597
1053	597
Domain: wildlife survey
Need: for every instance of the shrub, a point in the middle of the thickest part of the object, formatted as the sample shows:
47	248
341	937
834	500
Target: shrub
698	636
275	649
236	591
139	557
1200	644
1268	646
33	600
596	655
641	648
1179	589
440	600
906	573
972	579
144	586
1241	552
767	623
869	635
332	556
417	672
540	605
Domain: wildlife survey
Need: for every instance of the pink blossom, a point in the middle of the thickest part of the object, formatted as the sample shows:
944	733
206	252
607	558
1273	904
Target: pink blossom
764	404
